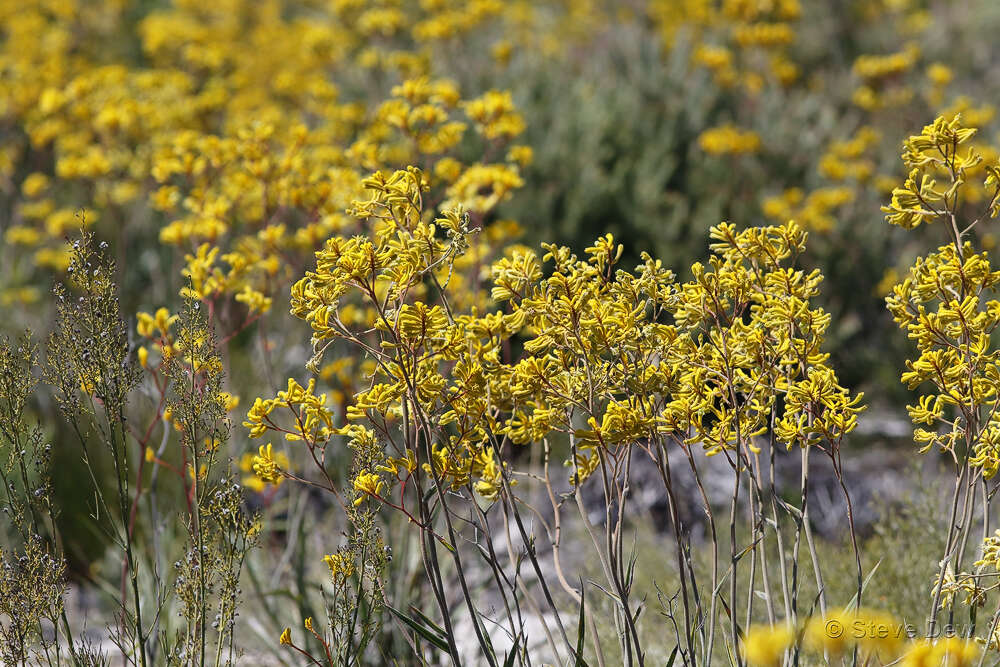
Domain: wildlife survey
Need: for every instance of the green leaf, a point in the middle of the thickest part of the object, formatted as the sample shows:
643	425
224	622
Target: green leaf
581	631
436	639
853	604
512	656
429	622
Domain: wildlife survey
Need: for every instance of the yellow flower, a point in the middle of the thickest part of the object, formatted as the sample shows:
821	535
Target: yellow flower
266	467
495	115
367	484
340	564
879	635
255	301
54	258
830	634
764	646
728	139
34	184
22	235
229	401
881	66
523	155
939	74
150	326
946	652
502	51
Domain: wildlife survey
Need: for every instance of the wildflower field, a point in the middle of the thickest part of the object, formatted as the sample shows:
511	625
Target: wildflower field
499	332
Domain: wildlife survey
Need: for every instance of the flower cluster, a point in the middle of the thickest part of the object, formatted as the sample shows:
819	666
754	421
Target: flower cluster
943	303
945	307
243	158
877	638
600	343
728	139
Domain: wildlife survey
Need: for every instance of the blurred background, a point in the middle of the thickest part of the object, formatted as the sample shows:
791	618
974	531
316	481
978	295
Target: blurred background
173	130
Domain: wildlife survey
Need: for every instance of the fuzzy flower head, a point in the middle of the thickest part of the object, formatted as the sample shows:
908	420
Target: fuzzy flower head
765	645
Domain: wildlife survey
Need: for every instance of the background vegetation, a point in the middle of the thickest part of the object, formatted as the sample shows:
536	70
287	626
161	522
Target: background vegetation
169	172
